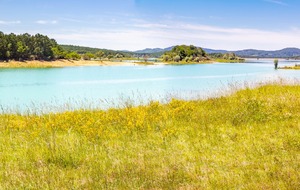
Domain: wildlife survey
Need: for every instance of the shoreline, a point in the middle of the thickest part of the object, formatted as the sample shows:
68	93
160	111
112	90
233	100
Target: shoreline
77	63
290	67
68	63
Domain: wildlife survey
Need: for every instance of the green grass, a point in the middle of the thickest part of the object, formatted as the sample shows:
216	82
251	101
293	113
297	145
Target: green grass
247	140
230	61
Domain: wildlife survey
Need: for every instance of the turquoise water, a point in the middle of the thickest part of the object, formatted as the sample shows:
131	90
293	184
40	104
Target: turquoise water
57	89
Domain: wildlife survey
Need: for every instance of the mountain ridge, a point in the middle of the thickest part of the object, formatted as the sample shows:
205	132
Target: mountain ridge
154	50
289	52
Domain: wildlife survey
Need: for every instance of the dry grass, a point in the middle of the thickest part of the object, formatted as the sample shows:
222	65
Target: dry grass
59	63
296	67
248	140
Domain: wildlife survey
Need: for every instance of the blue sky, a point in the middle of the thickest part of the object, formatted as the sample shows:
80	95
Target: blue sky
139	24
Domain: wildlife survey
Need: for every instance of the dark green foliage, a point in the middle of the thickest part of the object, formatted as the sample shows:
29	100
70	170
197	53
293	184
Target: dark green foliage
226	57
73	56
230	56
98	53
109	54
59	52
216	55
186	54
28	47
88	56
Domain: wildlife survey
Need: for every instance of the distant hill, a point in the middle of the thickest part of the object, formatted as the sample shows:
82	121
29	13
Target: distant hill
247	53
214	51
154	50
83	50
158	52
284	53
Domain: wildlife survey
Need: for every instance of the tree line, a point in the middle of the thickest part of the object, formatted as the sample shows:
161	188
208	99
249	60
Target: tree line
226	56
88	52
28	47
24	47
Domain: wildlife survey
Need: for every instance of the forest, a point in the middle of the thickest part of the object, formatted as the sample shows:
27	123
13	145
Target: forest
28	47
25	47
97	52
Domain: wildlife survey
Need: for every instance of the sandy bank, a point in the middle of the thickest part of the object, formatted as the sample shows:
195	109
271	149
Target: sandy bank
63	63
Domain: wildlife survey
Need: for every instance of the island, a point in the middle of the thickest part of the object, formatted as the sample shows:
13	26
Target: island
191	54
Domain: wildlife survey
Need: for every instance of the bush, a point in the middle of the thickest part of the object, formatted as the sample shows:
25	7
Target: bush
73	56
177	58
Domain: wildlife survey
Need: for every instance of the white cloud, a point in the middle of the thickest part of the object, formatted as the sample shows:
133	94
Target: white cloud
277	2
71	20
142	35
46	22
9	22
152	25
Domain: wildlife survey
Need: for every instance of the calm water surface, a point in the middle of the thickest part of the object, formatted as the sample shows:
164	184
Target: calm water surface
68	88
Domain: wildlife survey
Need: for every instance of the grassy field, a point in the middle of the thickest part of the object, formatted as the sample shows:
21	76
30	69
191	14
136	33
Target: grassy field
248	140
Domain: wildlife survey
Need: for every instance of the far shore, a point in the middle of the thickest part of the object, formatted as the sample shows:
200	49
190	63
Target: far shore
290	67
75	63
68	63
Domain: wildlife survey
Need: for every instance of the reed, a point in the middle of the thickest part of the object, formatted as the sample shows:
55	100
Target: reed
247	140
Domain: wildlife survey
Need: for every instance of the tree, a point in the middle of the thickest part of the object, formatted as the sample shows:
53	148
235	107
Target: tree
7	55
22	51
99	54
73	56
166	58
191	58
177	58
58	52
12	46
110	56
146	57
197	59
276	63
118	56
2	46
88	56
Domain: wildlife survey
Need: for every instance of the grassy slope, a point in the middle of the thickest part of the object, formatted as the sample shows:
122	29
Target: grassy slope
249	140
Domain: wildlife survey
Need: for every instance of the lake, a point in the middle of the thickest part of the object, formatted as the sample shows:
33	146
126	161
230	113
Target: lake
59	89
